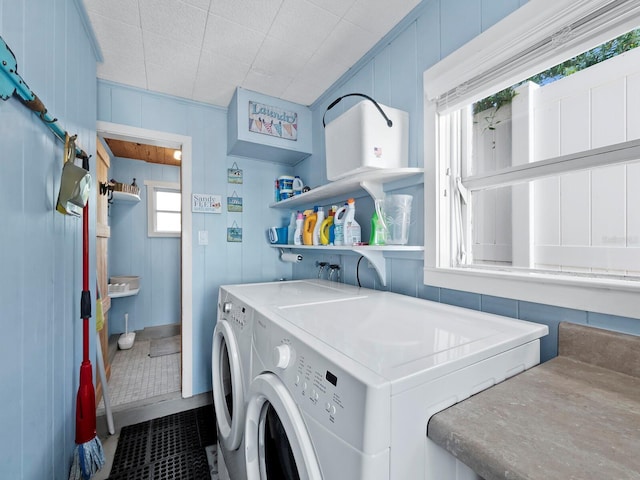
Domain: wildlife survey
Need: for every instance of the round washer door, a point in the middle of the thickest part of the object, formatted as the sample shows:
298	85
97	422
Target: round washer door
228	394
277	444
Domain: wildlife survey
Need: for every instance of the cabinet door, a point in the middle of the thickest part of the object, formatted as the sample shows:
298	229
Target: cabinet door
102	257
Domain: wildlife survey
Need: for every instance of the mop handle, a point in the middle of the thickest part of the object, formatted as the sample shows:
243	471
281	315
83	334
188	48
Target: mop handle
85	299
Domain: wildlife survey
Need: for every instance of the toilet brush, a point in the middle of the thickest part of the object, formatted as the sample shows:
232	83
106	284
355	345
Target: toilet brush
125	342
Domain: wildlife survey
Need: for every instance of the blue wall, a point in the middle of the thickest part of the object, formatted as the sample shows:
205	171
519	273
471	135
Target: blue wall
40	249
158	302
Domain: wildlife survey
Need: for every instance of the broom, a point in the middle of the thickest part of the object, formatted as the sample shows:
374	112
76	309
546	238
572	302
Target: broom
88	456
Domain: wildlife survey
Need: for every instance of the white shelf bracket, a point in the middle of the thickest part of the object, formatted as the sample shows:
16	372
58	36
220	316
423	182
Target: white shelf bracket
376	257
373	188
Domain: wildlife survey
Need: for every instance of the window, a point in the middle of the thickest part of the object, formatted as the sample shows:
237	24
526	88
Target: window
164	217
535	193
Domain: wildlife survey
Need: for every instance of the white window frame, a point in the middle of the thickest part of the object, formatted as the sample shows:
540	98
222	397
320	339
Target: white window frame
535	35
152	187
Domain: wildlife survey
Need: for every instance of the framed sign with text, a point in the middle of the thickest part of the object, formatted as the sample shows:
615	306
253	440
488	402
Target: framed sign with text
273	121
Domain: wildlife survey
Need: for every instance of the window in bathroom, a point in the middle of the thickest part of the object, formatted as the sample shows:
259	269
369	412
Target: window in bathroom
164	217
534	164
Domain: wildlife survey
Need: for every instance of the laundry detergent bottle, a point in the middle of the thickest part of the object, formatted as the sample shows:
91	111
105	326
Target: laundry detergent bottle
325	228
338	222
351	228
318	225
309	224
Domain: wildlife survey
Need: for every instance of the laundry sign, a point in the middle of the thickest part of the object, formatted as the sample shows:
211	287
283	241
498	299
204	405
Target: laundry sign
273	121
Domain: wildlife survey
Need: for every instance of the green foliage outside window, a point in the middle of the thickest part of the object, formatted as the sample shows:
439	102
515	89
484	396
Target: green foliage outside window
607	50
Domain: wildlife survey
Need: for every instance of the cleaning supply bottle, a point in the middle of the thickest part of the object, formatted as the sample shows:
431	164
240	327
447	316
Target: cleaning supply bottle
351	226
310	217
378	226
325	227
332	227
297	237
316	228
338	222
297	185
292	228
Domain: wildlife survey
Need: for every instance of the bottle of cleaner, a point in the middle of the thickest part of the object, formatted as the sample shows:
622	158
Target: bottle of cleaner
325	228
292	227
338	222
351	227
309	224
297	237
297	185
378	227
316	228
332	227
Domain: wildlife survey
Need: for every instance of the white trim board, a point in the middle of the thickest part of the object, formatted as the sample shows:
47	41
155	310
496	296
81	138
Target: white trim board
171	140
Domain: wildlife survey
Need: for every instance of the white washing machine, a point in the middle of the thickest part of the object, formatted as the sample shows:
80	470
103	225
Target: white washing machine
344	390
231	353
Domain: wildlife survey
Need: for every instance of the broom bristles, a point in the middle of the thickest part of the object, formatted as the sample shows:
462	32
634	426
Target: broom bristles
88	458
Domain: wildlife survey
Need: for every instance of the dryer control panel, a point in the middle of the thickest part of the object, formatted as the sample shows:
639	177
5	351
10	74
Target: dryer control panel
235	313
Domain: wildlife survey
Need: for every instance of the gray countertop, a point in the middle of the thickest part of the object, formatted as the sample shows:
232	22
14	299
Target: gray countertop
564	419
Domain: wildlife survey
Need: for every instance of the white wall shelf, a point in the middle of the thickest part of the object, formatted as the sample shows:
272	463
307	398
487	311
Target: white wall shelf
371	182
375	254
125	197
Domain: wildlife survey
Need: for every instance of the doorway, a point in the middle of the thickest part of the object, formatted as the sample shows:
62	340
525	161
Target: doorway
106	130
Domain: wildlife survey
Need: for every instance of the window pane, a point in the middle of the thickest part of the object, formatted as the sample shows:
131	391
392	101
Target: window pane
581	104
168	201
579	223
168	222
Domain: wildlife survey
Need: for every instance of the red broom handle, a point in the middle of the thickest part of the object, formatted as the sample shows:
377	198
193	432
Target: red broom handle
85	306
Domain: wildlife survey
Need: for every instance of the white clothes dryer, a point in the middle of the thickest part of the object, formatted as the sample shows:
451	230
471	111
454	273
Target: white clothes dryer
230	362
231	353
344	390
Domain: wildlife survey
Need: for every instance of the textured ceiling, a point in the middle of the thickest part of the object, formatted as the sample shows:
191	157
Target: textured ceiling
203	49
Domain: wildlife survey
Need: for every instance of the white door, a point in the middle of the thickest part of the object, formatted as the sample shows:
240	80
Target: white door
277	444
228	392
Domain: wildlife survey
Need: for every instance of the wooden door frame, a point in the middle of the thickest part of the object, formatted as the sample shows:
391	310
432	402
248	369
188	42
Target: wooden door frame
171	140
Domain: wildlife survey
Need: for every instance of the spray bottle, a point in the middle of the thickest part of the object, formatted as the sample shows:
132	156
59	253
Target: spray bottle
378	226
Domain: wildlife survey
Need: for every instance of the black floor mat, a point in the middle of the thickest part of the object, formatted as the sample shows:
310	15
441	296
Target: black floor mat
167	448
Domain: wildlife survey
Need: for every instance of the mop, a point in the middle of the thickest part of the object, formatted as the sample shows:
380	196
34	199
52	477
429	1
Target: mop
88	456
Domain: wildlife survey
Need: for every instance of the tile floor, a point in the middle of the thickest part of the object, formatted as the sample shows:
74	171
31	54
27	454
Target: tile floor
137	376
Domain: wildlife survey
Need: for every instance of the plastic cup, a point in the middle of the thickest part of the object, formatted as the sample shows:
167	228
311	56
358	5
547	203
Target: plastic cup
397	213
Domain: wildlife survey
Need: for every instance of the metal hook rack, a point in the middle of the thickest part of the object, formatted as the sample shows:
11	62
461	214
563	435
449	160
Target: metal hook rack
11	83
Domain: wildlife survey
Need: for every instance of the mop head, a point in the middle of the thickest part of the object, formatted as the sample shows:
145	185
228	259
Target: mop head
88	458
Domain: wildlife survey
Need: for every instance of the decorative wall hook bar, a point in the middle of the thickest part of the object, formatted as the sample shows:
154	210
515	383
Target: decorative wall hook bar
11	83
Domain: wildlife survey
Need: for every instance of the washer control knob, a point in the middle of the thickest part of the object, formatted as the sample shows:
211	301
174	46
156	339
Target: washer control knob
282	356
226	307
